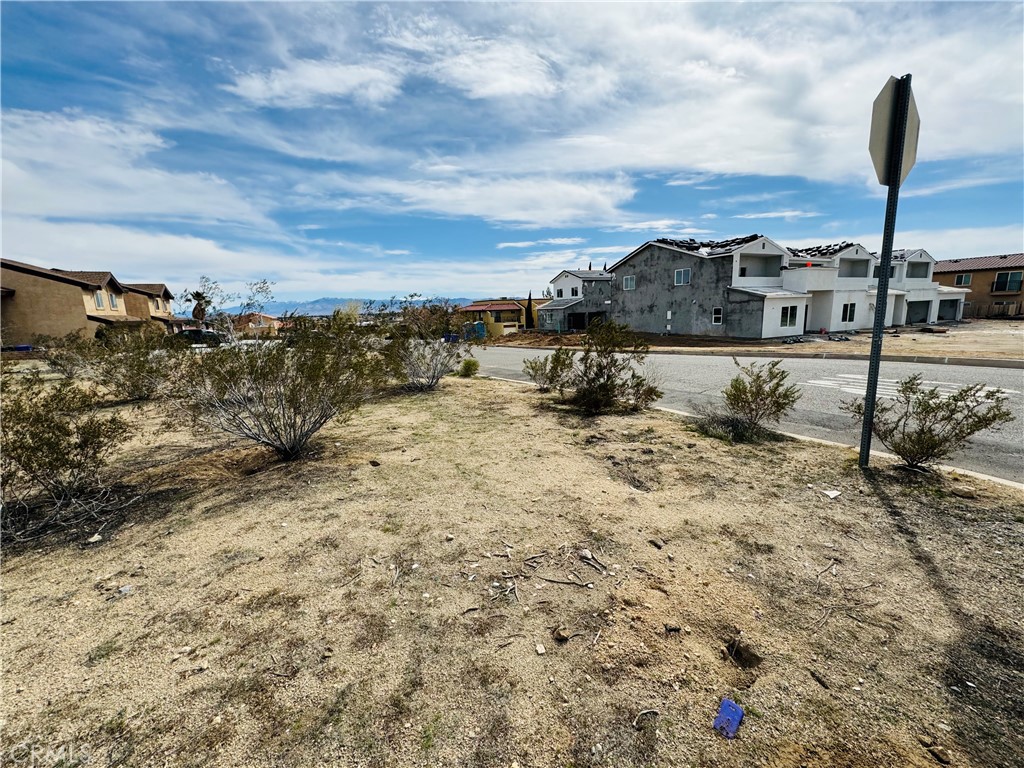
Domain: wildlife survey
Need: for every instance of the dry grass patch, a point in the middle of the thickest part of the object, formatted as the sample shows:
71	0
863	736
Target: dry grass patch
382	604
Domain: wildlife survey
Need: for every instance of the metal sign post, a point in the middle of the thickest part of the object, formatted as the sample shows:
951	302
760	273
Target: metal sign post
895	126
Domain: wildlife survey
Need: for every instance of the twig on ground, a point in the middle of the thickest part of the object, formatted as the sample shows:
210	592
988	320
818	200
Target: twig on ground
636	719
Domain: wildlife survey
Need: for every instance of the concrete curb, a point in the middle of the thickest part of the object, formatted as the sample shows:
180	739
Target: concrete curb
980	362
820	441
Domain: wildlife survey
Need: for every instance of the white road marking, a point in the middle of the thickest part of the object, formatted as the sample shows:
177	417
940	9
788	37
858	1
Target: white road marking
856	384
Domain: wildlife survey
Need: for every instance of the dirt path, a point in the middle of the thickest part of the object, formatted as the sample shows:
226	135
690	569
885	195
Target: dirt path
383	603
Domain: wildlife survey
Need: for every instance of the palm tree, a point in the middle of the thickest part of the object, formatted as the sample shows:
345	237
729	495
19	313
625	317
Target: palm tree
201	303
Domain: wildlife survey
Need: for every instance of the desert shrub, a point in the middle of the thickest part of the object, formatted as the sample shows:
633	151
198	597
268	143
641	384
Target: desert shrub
132	364
54	443
551	372
469	368
281	394
424	340
720	424
923	426
67	355
759	394
605	375
755	398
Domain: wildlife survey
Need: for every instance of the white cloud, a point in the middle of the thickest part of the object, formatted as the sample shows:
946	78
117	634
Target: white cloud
531	201
78	166
546	241
787	215
709	216
305	83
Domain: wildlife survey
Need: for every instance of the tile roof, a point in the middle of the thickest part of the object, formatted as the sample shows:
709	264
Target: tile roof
1006	260
488	306
150	289
49	274
93	278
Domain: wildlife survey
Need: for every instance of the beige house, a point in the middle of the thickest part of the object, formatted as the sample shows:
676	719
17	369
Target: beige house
35	301
257	324
152	301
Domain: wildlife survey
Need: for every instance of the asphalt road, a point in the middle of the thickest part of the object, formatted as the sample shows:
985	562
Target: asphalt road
690	380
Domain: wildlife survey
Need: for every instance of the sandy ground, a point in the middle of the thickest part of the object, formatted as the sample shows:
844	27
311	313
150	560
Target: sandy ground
384	602
999	339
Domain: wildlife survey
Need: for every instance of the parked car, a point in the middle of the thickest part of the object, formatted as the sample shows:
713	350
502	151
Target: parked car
200	336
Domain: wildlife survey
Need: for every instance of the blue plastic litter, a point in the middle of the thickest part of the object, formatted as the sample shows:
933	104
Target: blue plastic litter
730	715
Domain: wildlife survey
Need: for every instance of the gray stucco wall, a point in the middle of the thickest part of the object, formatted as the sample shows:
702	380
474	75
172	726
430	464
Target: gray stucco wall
645	308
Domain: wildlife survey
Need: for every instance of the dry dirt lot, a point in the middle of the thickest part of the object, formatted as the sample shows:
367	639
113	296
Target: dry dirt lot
993	339
384	602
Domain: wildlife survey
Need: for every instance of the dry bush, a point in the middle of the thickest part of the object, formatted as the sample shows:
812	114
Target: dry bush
55	443
280	394
923	426
756	397
605	376
424	340
550	372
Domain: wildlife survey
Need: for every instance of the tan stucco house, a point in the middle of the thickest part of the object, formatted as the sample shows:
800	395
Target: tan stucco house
995	283
36	301
152	301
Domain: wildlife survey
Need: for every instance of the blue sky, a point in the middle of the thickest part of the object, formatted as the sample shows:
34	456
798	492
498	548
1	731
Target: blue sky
478	149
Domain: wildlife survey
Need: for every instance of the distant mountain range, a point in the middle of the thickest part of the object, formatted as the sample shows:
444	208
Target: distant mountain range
327	305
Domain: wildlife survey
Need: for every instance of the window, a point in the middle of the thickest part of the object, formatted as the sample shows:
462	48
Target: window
789	316
668	315
629	282
878	271
99	299
558	293
848	312
156	304
1007	281
683	276
743	271
574	291
716	316
113	300
962	280
496	314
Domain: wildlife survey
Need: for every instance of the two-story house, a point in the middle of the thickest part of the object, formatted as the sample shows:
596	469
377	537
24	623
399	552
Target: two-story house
994	283
152	301
842	282
53	302
730	288
753	287
581	296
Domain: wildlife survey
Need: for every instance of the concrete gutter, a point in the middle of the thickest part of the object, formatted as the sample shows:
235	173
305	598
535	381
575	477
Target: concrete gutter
980	362
804	438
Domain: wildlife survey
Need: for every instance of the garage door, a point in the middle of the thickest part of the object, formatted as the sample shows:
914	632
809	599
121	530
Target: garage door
947	309
917	311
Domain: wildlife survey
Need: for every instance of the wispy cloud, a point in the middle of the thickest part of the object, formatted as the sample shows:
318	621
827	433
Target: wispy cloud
545	241
787	215
305	83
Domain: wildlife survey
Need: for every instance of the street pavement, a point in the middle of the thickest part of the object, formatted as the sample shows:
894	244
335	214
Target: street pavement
689	380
